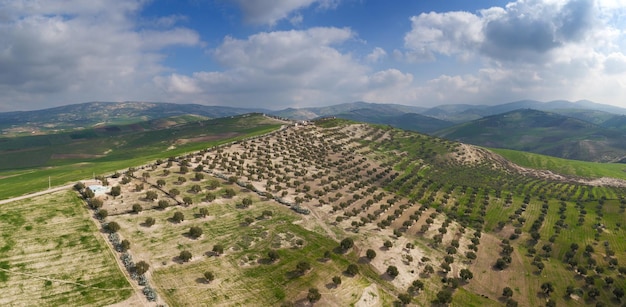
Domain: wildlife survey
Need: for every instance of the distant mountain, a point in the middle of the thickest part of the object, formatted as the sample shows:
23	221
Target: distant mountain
462	113
542	132
334	110
406	121
92	113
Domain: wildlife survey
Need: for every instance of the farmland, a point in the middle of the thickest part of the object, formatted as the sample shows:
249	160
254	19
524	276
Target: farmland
27	163
397	217
52	254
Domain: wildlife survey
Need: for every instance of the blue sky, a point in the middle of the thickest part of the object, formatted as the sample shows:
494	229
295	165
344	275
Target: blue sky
299	53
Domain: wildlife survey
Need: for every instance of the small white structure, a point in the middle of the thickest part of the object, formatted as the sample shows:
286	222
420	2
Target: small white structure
99	190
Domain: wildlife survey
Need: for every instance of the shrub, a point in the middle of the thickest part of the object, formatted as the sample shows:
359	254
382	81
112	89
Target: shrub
195	232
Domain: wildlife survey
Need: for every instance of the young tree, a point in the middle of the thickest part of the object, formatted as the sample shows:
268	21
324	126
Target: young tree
151	195
444	297
160	183
229	193
246	202
314	295
302	267
392	271
273	255
204	212
178	217
150	221
404	298
346	244
507	292
163	204
102	214
137	208
388	244
116	191
187	200
199	176
547	288
174	192
196	188
195	232
141	267
466	274
95	203
218	249
352	269
185	256
370	254
125	245
210	197
113	227
336	280
209	276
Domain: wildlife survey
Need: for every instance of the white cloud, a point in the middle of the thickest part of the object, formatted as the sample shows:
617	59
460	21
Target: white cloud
272	11
528	50
376	54
71	51
443	33
290	68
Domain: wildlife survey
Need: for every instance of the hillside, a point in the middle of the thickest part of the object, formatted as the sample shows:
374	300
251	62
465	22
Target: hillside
382	109
544	133
406	121
87	115
585	110
337	213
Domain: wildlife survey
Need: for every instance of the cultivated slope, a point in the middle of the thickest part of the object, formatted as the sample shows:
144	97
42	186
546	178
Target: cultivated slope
542	132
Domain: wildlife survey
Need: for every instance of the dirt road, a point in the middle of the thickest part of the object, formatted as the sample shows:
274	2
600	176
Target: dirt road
51	190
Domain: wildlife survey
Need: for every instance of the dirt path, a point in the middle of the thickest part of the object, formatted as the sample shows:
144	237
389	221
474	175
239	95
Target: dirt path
48	191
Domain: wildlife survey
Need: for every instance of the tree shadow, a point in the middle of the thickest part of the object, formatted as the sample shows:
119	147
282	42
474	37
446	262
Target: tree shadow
364	260
331	285
386	277
339	251
266	261
202	280
294	274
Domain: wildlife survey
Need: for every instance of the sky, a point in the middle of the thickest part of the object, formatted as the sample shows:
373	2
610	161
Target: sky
276	54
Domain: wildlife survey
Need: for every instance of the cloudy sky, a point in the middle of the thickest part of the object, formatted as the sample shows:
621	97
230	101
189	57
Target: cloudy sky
297	53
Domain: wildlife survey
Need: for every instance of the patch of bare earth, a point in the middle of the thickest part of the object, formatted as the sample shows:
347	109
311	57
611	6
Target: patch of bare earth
369	298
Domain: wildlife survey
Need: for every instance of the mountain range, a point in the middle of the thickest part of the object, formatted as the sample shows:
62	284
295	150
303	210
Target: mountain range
581	130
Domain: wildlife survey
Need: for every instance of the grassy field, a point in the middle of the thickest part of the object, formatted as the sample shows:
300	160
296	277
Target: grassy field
564	166
52	255
133	149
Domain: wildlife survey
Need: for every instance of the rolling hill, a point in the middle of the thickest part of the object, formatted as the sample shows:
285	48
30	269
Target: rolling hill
542	132
335	212
89	114
406	121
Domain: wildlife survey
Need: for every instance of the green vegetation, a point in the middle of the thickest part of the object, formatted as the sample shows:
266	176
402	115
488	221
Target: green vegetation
564	166
60	260
477	224
26	163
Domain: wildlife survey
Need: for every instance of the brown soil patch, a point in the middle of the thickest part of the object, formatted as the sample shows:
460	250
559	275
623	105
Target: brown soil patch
208	138
75	156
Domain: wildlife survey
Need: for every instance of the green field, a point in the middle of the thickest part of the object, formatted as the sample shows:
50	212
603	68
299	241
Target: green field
53	255
127	150
564	166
